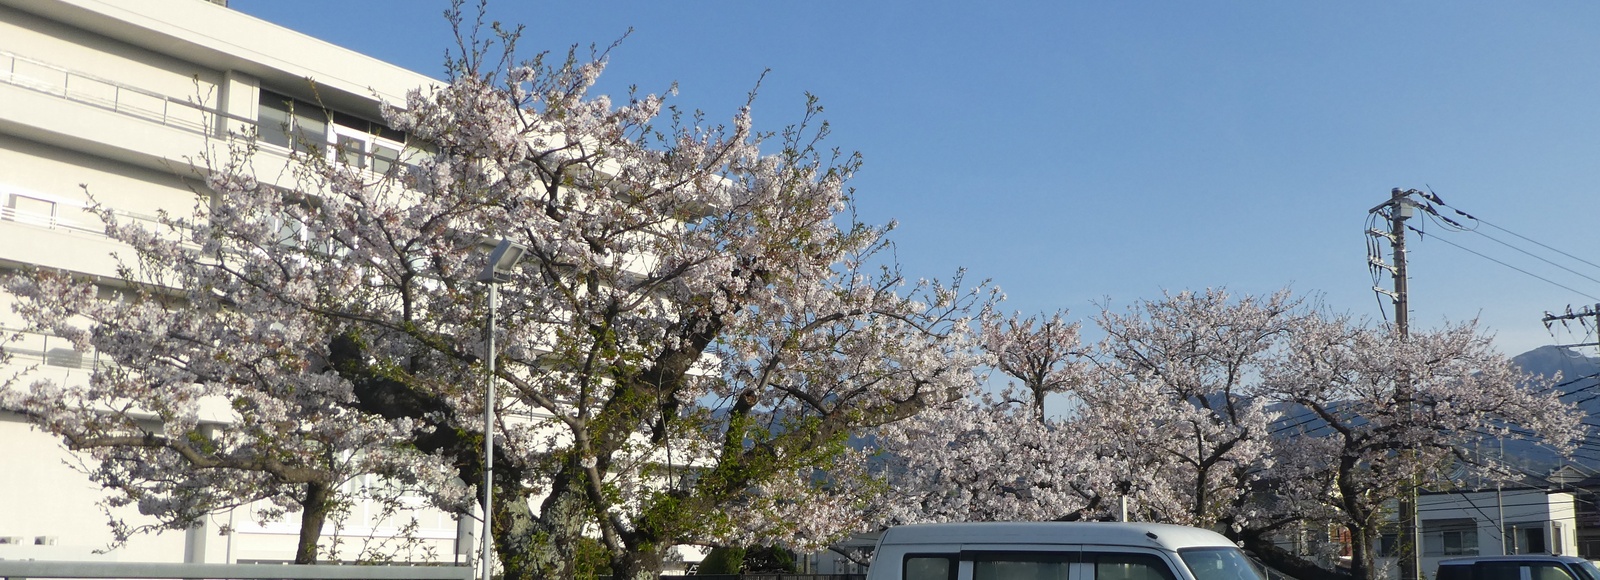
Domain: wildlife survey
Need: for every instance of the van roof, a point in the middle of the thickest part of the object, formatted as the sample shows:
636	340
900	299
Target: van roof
1164	536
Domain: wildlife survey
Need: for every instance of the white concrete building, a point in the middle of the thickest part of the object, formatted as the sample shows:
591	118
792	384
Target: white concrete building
1493	523
119	96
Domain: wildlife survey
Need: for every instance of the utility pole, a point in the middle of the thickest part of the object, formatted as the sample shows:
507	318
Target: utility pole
1586	312
1397	210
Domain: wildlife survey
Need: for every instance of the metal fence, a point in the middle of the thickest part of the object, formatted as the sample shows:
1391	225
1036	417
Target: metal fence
47	349
22	569
110	95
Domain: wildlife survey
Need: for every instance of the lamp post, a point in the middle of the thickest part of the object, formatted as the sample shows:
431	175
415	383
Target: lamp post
497	270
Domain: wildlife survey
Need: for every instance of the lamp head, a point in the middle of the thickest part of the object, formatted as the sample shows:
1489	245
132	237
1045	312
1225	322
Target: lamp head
502	259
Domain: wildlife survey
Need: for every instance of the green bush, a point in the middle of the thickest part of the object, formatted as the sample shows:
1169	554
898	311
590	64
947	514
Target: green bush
722	561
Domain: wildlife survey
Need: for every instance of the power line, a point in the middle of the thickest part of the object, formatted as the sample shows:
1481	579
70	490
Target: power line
1481	255
1432	205
1434	198
1536	257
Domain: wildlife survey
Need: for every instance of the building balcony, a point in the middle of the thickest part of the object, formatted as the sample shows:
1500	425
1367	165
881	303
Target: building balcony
52	104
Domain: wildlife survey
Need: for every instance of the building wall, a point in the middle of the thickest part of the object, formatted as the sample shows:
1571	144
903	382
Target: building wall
35	176
100	57
1488	514
122	97
48	509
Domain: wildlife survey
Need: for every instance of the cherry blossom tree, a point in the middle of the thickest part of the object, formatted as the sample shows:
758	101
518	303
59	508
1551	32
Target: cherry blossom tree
1164	420
1386	411
1201	354
210	400
997	456
983	459
1255	414
697	326
1040	353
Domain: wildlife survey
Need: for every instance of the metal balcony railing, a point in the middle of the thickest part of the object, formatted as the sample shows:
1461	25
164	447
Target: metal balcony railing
46	221
89	225
49	350
37	75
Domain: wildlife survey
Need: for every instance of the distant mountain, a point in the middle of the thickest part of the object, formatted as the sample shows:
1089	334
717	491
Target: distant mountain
1549	360
1579	383
1579	375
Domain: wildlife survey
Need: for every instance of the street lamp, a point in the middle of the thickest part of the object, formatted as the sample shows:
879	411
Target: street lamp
497	270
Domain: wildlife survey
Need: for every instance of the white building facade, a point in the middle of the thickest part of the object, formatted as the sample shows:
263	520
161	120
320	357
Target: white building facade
117	99
1494	523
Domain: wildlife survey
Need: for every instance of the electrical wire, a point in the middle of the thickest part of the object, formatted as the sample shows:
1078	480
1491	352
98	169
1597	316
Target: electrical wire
1450	224
1374	258
1476	253
1536	242
1434	199
1432	207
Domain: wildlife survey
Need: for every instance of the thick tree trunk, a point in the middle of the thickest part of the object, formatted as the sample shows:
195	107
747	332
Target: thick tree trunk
1362	564
314	507
514	535
1202	496
544	547
638	564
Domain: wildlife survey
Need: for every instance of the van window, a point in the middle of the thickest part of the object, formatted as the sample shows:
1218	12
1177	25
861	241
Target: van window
929	567
1586	570
1454	572
1129	567
1219	564
1549	571
1021	565
1497	571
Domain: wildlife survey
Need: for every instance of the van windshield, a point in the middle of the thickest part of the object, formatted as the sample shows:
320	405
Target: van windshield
1588	568
1219	564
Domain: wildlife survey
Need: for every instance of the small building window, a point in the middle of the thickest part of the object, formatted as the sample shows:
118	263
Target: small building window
1450	538
31	210
304	127
1526	538
291	123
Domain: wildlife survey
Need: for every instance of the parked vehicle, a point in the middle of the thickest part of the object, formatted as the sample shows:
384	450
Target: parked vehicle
1520	567
1058	551
1269	572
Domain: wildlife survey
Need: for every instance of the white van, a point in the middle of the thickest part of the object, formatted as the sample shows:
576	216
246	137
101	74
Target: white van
1057	551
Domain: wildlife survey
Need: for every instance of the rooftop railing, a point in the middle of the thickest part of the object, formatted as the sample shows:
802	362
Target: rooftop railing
49	350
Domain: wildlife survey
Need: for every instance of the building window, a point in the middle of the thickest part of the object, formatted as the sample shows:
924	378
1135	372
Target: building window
31	210
1450	538
291	123
304	127
1460	542
1526	538
291	229
1389	545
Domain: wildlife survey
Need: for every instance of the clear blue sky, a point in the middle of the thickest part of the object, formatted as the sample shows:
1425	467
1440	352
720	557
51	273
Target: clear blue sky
1078	151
